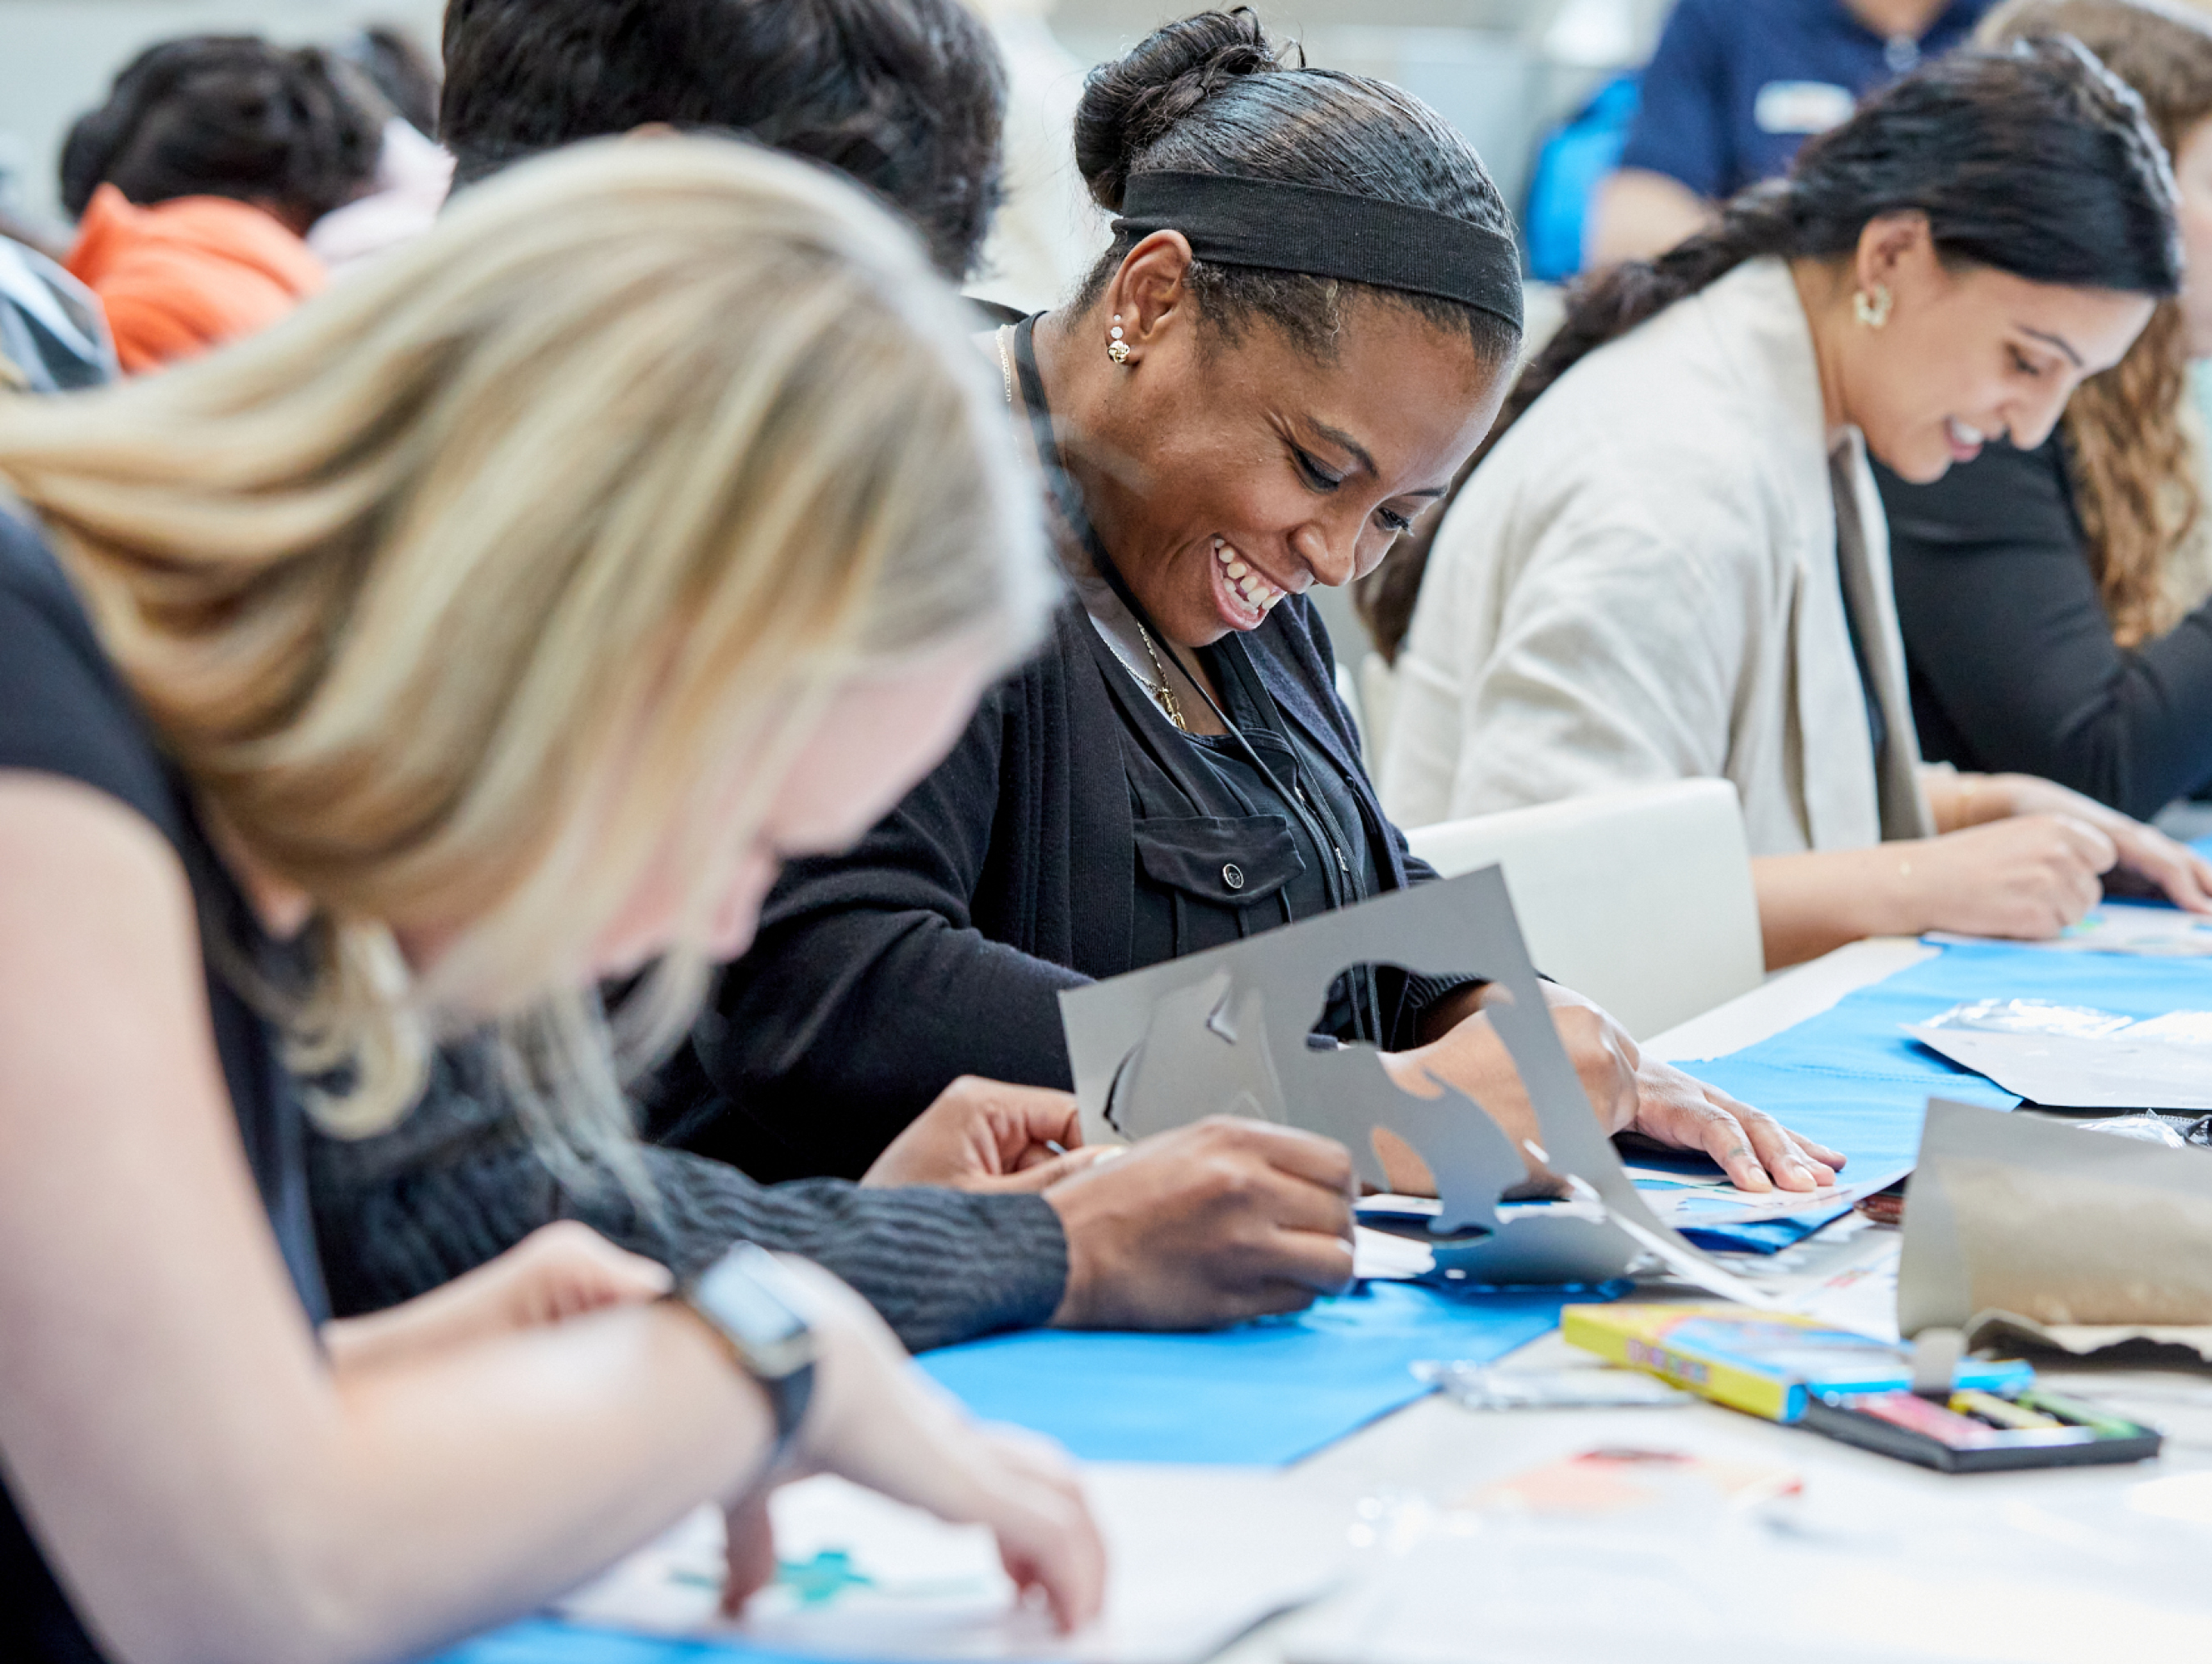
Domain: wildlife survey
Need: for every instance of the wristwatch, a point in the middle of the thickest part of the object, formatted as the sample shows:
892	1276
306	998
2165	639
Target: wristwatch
764	1316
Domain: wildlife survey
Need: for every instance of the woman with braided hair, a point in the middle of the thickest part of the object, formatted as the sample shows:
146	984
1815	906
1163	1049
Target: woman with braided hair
1673	561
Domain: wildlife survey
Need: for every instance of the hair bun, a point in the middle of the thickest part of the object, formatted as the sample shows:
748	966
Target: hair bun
1128	105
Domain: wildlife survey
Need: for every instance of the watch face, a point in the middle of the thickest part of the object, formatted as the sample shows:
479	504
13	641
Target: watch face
754	1301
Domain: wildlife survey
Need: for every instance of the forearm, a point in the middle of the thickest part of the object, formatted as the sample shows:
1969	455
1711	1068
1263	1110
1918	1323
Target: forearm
940	1266
1812	904
460	1493
372	1516
1959	800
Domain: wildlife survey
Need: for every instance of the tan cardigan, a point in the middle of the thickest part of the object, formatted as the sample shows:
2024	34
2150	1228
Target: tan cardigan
1645	582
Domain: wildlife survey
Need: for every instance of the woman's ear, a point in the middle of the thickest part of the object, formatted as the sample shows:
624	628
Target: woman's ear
1149	298
1897	252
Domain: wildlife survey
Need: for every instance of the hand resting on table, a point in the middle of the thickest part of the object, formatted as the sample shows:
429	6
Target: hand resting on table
1629	1092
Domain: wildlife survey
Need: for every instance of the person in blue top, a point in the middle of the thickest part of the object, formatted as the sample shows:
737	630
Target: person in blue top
1735	87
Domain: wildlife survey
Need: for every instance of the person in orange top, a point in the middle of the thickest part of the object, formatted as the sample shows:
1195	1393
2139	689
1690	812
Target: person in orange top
196	182
185	275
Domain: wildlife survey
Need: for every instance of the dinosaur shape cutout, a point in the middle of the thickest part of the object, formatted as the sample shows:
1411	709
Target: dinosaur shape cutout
1225	1032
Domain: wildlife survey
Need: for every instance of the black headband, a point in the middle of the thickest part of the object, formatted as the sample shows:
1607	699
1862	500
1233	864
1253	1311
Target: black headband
1238	221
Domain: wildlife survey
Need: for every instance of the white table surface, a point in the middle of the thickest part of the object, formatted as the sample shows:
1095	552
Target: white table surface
1434	1451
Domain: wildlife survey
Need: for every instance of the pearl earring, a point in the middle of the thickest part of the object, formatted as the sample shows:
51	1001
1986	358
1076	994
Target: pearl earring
1873	310
1116	348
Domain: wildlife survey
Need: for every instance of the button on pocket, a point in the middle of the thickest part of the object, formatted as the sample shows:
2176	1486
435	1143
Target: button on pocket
1226	860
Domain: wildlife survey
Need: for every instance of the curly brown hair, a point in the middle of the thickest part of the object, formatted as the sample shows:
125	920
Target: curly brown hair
2134	461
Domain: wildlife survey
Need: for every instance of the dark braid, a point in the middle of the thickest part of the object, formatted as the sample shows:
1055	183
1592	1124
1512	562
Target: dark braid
2033	160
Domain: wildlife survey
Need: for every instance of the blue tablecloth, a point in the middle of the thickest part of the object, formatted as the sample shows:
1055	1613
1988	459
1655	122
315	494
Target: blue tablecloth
1269	1393
549	1641
1852	1078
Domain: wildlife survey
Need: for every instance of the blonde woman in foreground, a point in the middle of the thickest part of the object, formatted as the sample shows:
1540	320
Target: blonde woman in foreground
490	627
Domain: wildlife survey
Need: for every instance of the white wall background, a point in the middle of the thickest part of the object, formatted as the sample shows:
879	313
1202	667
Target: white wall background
1500	69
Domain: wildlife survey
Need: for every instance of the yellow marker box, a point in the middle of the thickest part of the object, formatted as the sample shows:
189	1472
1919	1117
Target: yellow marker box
1764	1363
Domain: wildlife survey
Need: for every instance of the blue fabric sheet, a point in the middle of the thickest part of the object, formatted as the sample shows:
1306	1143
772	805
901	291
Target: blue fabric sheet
1265	1393
1852	1078
549	1641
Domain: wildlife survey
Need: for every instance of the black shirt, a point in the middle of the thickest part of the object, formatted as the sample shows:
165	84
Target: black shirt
1286	819
2009	652
1047	850
63	712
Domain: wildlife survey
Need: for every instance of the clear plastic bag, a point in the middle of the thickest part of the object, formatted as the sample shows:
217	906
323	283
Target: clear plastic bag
2036	1016
1479	1388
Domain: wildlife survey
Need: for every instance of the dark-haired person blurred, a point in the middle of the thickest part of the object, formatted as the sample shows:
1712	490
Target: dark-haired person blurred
906	96
1204	1226
195	185
2053	597
407	77
1735	87
1673	561
1303	326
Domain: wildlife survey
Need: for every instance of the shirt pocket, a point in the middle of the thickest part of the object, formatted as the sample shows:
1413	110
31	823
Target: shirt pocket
1216	870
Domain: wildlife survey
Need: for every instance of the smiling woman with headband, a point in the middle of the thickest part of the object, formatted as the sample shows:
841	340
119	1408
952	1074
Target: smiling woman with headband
1303	328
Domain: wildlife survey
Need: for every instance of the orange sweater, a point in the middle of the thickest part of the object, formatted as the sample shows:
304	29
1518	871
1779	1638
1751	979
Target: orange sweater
185	275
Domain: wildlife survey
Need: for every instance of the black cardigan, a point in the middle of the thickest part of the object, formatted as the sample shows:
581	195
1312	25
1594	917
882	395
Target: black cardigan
938	947
2009	649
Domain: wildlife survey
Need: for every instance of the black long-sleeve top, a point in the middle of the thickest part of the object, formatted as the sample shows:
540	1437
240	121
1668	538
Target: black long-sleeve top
458	1184
1072	833
2009	650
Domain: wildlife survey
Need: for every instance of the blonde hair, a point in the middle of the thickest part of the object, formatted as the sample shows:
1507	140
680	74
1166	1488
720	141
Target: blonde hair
545	542
2133	454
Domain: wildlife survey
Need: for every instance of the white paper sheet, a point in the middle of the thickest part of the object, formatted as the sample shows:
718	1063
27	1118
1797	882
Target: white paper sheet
2158	933
1198	1556
2117	1071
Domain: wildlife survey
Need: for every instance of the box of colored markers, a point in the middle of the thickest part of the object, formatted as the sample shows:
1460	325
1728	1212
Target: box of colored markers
1977	1431
1850	1386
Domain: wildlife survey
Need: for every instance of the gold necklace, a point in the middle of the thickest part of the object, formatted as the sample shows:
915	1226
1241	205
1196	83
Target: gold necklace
1164	693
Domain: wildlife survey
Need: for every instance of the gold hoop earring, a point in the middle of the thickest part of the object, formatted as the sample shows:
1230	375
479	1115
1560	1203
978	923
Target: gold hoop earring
1873	310
1116	348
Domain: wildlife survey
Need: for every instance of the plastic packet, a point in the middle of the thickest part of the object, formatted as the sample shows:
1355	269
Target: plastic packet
1477	1387
2149	1129
2032	1017
2176	1028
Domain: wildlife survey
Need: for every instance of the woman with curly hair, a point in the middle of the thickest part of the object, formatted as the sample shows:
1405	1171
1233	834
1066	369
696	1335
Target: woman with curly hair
2054	597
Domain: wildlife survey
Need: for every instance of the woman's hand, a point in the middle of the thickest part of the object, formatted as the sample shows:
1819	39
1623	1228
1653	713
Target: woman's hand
988	1135
1628	1091
2027	878
877	1420
2144	852
558	1272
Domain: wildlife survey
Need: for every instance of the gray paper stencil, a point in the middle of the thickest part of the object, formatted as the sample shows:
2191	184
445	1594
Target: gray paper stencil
1225	1033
